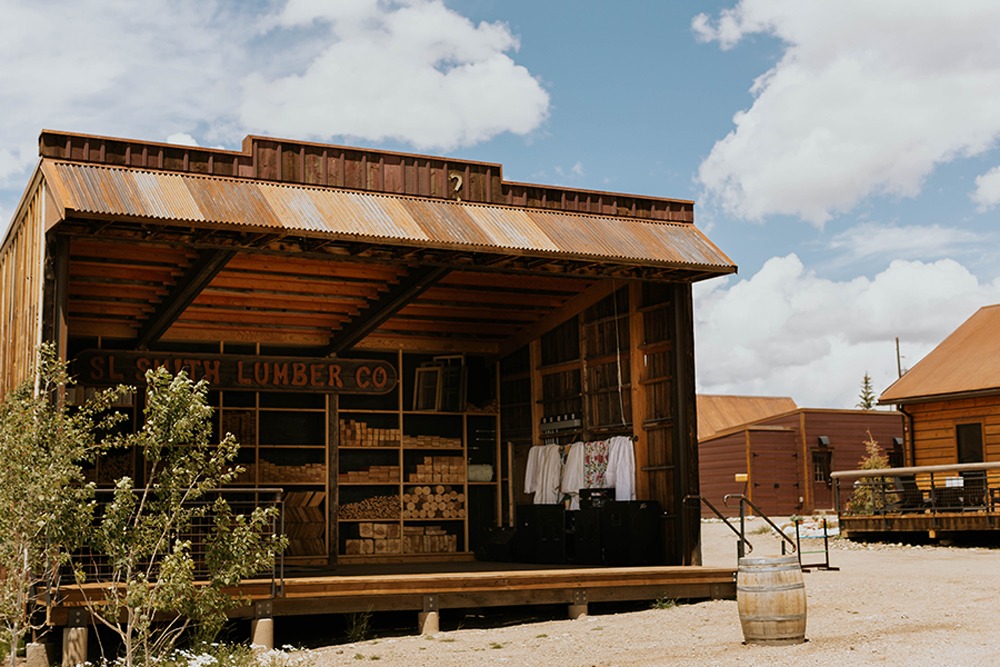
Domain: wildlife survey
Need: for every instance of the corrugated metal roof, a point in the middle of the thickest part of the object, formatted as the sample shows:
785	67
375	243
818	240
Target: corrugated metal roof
967	361
720	413
116	191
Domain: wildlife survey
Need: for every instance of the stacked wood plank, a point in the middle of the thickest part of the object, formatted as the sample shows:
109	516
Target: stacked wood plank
437	502
428	540
375	538
431	442
371	475
360	434
309	472
305	523
439	470
376	507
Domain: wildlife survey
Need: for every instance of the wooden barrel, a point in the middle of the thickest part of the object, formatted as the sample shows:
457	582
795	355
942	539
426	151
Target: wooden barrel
771	598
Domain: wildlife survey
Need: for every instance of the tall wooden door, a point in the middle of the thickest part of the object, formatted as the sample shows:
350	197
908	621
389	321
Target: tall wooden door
774	484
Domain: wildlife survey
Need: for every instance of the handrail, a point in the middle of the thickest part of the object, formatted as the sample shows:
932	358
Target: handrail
915	470
746	501
743	539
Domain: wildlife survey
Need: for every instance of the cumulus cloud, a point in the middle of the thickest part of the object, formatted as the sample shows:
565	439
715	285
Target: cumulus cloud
788	331
409	70
866	99
149	69
987	192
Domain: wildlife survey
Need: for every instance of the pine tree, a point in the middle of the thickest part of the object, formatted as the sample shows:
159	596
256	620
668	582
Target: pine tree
867	396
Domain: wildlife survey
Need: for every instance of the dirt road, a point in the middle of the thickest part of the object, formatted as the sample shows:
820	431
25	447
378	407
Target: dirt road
887	605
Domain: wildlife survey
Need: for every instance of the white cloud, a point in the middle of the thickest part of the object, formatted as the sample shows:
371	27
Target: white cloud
867	98
870	241
410	70
987	192
786	331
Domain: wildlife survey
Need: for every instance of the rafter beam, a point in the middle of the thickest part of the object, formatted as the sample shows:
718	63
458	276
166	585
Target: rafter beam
187	289
410	286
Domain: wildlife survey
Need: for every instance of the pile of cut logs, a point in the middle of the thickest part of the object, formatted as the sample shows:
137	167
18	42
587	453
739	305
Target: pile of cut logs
438	502
376	507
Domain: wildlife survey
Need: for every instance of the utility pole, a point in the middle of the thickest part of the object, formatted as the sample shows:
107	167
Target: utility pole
899	363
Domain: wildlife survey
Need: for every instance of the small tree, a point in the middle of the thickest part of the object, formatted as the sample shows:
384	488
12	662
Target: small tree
867	395
151	596
869	492
45	504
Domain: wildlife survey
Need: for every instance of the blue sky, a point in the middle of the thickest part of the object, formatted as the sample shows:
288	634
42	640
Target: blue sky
843	152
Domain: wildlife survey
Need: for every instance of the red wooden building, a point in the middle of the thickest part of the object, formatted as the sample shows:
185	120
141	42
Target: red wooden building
785	452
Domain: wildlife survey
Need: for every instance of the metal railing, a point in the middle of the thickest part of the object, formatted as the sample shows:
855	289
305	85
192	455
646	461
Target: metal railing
917	489
240	500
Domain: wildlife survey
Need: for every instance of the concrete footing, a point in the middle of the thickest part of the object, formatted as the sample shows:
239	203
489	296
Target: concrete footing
577	610
38	654
428	622
74	646
262	633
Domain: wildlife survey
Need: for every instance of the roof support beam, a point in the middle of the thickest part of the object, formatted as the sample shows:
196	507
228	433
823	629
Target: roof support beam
187	289
410	286
577	304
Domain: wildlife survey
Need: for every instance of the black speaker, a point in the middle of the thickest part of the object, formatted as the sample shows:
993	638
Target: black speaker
630	532
583	537
499	545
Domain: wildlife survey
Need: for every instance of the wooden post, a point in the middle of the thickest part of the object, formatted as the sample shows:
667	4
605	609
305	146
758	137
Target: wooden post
74	650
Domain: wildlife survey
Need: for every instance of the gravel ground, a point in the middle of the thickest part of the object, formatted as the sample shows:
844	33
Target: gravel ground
886	605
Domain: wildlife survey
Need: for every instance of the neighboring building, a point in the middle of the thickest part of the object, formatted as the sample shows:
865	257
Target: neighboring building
786	453
952	396
951	479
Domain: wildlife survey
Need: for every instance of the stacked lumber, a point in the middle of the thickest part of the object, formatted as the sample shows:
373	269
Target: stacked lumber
376	507
371	475
310	472
360	434
437	502
428	540
431	442
249	474
438	470
375	538
305	523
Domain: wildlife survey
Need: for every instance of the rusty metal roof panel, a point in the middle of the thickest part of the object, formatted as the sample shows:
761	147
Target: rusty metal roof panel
966	362
222	200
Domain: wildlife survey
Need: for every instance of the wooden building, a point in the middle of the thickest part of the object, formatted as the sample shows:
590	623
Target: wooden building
782	456
951	403
386	334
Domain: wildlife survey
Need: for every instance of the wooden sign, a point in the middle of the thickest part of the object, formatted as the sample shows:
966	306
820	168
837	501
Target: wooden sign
225	371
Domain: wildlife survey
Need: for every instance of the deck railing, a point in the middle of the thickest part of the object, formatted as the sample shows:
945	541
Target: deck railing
959	487
240	500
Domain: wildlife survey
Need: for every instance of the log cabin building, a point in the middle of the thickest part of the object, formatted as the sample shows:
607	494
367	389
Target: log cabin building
949	481
388	335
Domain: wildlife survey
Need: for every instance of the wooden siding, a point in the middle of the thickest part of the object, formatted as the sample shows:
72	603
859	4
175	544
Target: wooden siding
780	451
720	460
934	427
304	163
21	284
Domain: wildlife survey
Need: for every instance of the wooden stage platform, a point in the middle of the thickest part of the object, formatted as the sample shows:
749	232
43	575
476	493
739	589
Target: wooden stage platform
357	591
